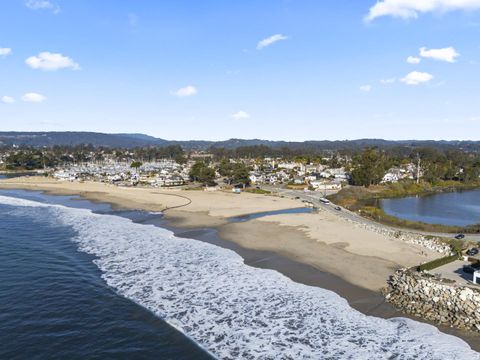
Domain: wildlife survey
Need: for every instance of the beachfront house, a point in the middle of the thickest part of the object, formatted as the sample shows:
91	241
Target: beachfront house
256	178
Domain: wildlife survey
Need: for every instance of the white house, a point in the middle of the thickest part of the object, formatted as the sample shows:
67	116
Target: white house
257	178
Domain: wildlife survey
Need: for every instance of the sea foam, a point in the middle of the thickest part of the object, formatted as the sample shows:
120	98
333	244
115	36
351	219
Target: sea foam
233	310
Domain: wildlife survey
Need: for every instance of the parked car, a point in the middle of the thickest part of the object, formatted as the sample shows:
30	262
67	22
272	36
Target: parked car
459	236
338	208
472	252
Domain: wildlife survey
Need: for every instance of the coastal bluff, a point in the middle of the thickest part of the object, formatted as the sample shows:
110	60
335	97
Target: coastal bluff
422	295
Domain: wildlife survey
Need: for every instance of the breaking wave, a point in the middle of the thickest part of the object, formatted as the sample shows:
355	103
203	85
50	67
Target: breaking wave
234	310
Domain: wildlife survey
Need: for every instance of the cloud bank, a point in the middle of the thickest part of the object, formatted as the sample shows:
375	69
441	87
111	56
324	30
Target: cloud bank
33	98
7	99
411	9
42	5
417	78
5	52
241	115
448	54
262	44
185	91
51	62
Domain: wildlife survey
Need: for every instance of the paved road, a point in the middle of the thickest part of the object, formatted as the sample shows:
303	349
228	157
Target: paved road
314	197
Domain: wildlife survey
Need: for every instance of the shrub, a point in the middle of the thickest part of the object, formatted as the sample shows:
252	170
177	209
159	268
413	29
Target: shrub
438	262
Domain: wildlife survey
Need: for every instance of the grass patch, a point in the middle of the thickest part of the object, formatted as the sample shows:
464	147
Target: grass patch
438	262
258	191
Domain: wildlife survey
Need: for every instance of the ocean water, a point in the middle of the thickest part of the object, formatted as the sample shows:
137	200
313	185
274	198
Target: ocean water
92	301
54	303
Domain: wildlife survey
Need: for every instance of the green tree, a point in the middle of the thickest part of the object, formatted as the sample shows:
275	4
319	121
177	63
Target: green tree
225	168
240	174
368	168
180	159
201	172
135	165
235	172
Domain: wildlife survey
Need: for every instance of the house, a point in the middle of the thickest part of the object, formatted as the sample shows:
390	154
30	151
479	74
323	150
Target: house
257	178
310	177
336	173
271	179
288	166
298	180
390	177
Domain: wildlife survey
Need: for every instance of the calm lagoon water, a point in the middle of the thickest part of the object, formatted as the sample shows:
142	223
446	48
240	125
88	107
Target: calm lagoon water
243	218
459	208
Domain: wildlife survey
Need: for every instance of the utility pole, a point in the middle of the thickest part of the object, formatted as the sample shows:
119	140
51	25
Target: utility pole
418	168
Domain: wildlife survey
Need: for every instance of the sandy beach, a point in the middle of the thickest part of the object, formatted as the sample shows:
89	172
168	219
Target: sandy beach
322	240
318	249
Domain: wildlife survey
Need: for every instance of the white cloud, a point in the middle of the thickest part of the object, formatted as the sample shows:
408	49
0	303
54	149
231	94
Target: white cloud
388	81
7	99
185	91
241	115
50	62
416	78
5	52
270	40
42	5
413	60
366	88
407	9
448	54
33	97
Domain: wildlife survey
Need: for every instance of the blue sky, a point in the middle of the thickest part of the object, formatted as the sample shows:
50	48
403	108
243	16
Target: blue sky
181	69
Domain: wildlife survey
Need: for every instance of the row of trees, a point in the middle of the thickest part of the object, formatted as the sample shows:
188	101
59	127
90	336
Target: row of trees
29	158
369	167
234	173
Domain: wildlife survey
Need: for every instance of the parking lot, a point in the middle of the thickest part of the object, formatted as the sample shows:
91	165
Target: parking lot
454	271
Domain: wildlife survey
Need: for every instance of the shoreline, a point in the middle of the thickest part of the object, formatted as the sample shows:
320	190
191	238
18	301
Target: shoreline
323	239
367	302
294	252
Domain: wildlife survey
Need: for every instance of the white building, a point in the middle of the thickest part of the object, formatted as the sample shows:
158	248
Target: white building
321	185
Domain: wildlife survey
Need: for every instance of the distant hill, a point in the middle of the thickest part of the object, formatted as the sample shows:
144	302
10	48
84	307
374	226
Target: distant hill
39	139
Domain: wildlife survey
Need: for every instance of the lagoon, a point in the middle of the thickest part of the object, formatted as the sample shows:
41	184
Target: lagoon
460	208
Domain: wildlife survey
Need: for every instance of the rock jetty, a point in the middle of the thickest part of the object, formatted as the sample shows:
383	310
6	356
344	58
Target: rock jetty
421	294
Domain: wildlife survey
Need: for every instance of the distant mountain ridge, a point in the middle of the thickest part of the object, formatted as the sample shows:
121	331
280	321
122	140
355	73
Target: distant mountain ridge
51	138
